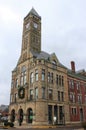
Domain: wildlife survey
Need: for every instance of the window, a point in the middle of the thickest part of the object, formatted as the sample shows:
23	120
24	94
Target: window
71	84
36	93
31	94
57	79
48	77
23	76
72	97
16	95
16	83
54	62
43	74
54	65
50	94
60	80
36	75
23	69
31	77
58	95
62	96
73	111
27	25
78	85
51	77
79	98
43	92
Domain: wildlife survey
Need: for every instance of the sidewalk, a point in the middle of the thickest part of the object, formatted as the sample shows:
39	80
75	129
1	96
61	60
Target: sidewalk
50	127
43	127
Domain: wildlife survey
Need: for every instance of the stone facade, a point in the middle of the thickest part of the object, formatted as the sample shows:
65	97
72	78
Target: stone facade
39	89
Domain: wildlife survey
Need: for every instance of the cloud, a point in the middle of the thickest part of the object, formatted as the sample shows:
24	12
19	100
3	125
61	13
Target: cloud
7	15
4	93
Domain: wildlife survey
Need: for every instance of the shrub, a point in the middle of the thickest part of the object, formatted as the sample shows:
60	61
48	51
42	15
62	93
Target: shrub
8	124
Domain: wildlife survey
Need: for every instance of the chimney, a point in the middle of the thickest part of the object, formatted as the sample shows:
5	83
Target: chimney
73	66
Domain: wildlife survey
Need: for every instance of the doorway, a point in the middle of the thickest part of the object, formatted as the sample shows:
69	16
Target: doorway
29	115
12	115
20	113
81	114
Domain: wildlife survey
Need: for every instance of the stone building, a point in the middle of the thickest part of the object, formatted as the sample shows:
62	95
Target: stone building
43	91
39	88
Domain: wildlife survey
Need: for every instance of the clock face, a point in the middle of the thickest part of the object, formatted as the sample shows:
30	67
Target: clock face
27	25
35	25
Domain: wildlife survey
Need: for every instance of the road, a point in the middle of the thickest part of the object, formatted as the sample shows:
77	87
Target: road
60	128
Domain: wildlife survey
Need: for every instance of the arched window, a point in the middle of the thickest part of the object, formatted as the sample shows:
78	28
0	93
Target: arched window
43	74
31	77
36	75
23	69
36	93
23	76
31	94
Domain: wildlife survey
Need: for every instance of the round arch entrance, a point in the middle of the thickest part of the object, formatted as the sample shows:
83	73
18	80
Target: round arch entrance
12	115
81	114
20	116
29	115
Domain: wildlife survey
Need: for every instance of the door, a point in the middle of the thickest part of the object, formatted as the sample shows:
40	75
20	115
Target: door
81	114
30	115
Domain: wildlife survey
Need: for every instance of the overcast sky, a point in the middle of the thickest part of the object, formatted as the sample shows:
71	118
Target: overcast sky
63	32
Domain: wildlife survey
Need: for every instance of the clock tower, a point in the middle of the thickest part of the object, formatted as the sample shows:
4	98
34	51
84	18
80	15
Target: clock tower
39	87
31	39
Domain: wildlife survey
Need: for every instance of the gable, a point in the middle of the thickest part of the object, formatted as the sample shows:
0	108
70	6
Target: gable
54	59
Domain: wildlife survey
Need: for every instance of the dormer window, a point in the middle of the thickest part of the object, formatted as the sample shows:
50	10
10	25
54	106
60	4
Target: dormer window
54	64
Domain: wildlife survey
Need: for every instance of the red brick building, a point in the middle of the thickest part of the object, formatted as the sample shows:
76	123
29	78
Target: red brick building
77	94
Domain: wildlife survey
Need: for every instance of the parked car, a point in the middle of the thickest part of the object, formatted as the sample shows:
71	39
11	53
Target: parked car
4	118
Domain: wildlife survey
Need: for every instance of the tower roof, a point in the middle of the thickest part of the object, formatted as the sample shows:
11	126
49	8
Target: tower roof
33	12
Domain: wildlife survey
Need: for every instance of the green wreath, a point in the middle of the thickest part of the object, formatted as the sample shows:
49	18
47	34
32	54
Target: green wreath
21	92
